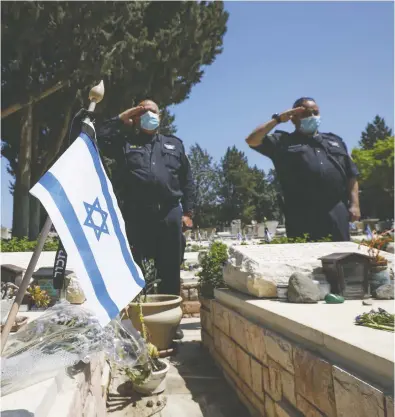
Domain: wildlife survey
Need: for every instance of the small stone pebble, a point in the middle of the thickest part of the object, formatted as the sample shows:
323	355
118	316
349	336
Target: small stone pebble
150	403
367	302
159	403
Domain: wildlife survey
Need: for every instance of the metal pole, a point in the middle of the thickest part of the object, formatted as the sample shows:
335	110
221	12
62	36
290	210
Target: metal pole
95	96
25	282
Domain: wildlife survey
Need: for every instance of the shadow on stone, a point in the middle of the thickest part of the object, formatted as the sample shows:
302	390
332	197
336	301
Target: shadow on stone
129	402
16	413
125	397
201	378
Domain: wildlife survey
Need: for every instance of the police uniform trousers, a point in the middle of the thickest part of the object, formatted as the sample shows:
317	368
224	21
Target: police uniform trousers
155	232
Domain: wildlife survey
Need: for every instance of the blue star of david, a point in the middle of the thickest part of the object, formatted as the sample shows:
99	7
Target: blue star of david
90	209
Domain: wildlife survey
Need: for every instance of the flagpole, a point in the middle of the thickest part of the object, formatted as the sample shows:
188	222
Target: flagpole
95	96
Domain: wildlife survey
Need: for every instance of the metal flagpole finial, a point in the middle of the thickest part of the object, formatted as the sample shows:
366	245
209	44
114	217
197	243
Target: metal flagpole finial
96	95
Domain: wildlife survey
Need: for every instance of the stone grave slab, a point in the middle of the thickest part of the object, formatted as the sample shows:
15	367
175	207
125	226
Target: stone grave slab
258	269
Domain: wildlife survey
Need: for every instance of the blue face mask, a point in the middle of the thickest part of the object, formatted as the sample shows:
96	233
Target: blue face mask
310	125
149	121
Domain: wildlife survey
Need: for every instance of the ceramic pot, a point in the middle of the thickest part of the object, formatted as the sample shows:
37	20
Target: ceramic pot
162	315
156	383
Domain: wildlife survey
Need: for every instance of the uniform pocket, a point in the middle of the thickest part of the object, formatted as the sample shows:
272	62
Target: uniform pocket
135	158
297	155
172	159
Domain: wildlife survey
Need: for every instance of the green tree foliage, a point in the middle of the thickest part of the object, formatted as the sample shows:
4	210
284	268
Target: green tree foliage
245	193
264	196
234	189
377	130
376	181
156	50
205	175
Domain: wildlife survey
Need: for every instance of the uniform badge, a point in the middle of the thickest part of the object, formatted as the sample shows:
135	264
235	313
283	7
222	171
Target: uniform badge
334	144
169	146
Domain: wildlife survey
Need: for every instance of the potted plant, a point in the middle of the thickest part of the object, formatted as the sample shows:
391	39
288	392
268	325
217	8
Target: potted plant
150	377
212	263
379	274
162	312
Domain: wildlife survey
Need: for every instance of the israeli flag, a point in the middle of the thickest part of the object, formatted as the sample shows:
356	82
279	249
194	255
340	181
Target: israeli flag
79	198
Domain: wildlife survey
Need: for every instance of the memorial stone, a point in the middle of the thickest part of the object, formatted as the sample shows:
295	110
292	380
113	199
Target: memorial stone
258	269
261	230
235	227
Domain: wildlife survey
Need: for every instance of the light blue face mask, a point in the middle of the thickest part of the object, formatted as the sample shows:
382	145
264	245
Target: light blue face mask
149	121
310	125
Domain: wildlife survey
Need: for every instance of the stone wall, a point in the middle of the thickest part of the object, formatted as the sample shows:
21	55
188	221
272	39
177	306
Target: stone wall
190	299
276	377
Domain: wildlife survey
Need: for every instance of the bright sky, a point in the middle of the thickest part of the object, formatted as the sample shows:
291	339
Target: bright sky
342	54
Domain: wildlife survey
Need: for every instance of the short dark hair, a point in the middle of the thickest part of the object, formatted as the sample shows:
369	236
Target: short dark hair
299	102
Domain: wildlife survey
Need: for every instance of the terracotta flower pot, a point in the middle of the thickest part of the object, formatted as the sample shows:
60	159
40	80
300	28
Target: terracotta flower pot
162	315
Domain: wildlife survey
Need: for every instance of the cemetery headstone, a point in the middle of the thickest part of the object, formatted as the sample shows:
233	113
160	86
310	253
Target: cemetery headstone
258	269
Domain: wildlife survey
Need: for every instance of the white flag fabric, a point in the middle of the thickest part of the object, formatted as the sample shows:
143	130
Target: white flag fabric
79	198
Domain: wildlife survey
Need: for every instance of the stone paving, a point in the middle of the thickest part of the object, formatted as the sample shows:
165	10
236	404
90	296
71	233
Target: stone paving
195	386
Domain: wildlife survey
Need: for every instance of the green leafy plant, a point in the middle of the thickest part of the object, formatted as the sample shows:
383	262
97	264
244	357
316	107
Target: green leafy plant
194	248
304	239
212	263
25	245
151	281
39	297
141	373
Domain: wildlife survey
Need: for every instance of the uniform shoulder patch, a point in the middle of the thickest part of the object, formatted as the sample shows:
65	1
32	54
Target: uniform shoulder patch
169	146
334	140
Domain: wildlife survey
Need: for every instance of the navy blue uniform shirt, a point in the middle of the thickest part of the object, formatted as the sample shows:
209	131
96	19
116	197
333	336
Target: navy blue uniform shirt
153	169
313	171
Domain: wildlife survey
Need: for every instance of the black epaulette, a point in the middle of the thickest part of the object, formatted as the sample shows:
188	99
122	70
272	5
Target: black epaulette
333	136
175	137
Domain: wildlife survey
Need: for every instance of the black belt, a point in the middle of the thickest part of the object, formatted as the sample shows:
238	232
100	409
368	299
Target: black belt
153	207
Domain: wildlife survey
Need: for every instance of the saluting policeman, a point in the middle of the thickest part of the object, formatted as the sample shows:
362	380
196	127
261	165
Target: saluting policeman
156	189
317	176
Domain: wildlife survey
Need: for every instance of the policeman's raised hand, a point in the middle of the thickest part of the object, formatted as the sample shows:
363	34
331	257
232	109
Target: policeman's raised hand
289	114
128	115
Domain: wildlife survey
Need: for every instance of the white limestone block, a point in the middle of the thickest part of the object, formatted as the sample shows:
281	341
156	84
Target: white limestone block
258	269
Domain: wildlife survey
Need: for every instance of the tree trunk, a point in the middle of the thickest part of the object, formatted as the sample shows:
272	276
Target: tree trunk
52	153
34	221
21	196
14	210
35	206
